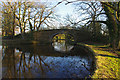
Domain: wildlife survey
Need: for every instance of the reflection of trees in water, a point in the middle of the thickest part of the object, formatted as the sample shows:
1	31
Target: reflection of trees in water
16	66
9	62
33	59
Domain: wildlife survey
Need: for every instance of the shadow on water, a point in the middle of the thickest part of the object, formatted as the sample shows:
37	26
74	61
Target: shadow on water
56	60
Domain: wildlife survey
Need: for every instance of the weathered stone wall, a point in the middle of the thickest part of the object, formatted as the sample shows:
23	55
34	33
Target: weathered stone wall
47	35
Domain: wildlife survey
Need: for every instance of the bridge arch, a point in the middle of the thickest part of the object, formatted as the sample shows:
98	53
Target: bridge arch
61	32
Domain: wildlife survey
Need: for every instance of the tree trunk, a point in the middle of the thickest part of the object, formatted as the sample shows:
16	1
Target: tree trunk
30	26
118	37
20	27
13	32
3	32
112	27
24	27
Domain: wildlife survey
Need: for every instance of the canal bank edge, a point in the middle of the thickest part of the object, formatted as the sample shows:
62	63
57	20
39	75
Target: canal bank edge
85	46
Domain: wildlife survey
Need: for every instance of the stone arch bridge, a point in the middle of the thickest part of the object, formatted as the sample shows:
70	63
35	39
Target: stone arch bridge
47	35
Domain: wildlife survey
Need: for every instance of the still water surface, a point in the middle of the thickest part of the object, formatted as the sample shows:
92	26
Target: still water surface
56	60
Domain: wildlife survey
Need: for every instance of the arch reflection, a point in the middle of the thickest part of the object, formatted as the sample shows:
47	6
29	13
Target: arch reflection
61	43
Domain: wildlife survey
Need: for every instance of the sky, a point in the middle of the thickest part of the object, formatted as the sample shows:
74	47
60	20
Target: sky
69	9
63	9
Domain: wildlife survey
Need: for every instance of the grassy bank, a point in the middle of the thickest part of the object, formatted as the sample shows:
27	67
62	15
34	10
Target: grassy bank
107	65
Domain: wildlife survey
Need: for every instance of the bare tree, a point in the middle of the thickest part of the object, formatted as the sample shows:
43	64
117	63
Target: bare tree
112	11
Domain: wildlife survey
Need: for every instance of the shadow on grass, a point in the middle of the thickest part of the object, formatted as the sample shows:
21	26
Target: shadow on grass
109	49
105	47
109	56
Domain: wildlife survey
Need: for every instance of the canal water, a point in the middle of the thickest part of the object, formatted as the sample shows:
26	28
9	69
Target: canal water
55	60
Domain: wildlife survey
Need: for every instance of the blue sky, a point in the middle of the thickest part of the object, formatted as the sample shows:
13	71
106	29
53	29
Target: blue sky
63	9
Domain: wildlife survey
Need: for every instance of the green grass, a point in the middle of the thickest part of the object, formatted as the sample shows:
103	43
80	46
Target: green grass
0	40
107	63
